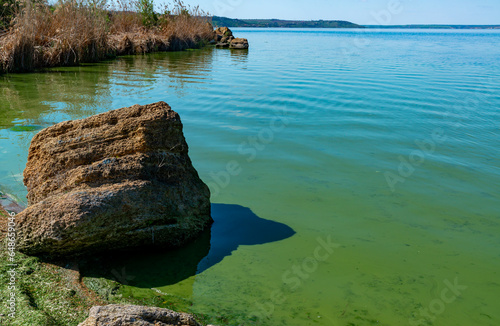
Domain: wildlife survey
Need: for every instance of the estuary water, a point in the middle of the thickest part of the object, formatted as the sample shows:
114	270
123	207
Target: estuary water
355	174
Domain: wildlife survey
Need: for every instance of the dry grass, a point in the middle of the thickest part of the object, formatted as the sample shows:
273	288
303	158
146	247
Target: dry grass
77	31
185	26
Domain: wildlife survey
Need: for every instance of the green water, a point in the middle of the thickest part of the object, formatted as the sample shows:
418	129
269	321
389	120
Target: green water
385	143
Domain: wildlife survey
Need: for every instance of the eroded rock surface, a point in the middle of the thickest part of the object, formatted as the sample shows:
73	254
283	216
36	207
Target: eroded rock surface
129	315
116	180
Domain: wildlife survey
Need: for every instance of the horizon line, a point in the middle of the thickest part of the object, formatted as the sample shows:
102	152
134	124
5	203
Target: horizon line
404	24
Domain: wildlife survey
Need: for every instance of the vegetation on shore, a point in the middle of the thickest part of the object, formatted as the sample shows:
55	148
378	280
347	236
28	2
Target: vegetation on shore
36	34
49	294
223	21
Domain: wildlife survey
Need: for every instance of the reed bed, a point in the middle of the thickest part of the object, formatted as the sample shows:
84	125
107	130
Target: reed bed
77	31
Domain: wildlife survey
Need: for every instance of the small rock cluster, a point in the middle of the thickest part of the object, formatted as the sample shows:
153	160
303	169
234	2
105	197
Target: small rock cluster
224	39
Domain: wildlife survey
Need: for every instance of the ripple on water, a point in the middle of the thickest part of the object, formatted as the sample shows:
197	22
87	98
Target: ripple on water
350	115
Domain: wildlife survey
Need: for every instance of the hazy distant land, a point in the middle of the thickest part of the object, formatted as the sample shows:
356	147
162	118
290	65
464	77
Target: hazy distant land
436	26
230	22
223	21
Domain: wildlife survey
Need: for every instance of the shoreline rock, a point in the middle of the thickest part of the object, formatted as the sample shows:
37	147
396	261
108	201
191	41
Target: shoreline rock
117	180
130	315
224	38
239	43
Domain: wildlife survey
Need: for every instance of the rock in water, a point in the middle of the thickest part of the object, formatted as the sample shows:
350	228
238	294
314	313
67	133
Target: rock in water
223	31
223	37
128	315
239	43
115	180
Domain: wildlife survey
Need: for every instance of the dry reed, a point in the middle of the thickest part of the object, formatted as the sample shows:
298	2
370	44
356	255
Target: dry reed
77	31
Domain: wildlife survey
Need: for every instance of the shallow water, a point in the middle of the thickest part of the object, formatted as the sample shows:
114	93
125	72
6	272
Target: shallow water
385	143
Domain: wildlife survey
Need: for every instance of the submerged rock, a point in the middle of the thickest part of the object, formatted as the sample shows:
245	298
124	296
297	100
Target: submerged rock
116	180
129	315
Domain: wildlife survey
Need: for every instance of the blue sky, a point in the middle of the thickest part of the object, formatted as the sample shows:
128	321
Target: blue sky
367	12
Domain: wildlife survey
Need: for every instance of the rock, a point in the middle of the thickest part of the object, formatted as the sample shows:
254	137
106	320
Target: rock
116	180
222	45
239	43
223	31
227	39
129	315
10	204
224	38
217	37
9	207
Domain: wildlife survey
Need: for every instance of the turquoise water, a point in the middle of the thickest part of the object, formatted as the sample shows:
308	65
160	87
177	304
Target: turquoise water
384	144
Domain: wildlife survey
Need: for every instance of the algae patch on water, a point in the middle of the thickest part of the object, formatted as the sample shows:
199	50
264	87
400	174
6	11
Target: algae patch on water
25	128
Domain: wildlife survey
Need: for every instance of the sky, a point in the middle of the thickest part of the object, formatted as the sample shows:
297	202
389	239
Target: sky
364	12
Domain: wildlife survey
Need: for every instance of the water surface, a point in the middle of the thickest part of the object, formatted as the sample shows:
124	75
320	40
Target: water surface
385	143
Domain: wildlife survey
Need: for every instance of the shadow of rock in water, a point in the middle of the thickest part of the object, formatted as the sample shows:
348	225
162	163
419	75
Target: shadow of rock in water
236	225
233	226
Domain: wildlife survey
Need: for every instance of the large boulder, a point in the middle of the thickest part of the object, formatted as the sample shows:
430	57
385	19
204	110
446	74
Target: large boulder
128	315
116	180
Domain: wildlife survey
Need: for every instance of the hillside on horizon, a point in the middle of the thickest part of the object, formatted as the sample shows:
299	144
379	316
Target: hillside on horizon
435	26
233	22
230	22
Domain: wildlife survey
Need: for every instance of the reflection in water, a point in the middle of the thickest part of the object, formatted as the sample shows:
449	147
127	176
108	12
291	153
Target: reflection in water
77	92
195	62
239	55
172	70
30	98
233	226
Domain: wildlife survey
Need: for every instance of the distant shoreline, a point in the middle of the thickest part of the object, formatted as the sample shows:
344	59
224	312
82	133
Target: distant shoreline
280	23
270	23
386	27
433	26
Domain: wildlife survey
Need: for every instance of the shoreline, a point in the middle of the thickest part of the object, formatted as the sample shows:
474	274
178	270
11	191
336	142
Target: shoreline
69	33
58	292
123	44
